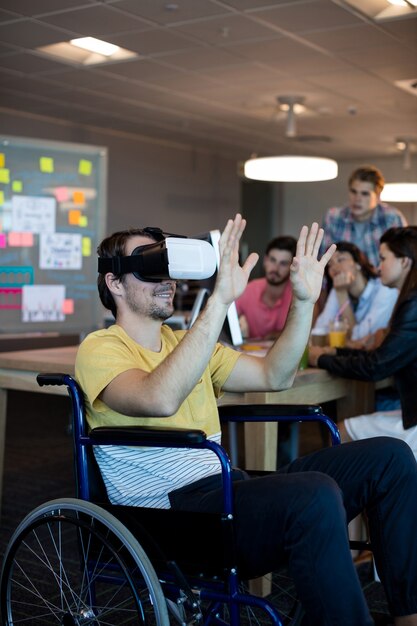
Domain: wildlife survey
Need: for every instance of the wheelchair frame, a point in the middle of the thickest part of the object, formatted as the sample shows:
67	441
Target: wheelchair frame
186	593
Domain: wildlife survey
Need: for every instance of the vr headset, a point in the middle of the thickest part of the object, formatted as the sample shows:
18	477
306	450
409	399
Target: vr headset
171	256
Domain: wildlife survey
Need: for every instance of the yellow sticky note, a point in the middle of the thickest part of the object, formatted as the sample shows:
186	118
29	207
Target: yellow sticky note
4	175
1	198
85	167
2	159
74	217
83	221
17	186
78	197
46	165
86	246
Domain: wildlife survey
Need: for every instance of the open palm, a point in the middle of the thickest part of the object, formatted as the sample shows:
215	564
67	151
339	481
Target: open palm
306	270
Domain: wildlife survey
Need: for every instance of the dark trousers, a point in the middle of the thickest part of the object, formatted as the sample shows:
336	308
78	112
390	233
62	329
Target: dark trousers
299	516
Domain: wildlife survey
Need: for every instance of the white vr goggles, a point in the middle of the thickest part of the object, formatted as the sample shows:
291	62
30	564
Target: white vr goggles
171	256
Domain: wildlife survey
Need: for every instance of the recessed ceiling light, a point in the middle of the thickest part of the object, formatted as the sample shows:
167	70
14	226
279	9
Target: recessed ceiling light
95	45
87	51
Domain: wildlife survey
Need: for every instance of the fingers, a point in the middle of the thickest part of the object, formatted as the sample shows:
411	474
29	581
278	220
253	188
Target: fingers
310	240
250	263
231	235
328	254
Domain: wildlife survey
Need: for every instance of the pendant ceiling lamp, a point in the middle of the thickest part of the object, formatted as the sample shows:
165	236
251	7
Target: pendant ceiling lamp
405	191
289	168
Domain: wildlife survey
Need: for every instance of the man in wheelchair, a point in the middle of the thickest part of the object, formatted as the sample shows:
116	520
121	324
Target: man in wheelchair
140	372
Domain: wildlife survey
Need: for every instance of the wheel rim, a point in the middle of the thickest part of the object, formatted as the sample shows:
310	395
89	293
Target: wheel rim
52	576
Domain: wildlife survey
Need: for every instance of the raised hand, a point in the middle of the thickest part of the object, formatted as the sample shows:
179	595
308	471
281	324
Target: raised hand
233	278
306	270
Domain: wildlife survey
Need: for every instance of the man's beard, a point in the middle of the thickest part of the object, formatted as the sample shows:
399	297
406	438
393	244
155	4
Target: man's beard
158	313
276	280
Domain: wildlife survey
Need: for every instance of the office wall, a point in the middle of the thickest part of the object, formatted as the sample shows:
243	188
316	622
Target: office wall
303	203
149	183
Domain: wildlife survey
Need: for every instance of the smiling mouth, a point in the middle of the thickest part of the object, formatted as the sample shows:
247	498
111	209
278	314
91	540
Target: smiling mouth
164	294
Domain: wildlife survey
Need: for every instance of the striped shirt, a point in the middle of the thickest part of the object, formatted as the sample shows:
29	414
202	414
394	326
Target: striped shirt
145	476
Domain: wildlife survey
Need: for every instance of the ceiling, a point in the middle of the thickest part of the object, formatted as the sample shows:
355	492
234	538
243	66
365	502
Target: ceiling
208	72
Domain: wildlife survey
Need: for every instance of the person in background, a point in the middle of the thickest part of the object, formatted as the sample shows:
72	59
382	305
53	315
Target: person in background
397	354
264	305
356	296
364	220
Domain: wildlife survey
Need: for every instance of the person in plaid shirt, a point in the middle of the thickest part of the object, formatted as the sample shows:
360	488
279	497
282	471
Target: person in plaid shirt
365	219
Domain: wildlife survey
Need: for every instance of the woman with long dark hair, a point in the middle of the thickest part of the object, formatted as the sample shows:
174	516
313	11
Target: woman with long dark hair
356	295
397	354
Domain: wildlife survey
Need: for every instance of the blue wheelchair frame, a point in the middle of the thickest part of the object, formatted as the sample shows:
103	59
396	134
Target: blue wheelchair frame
217	591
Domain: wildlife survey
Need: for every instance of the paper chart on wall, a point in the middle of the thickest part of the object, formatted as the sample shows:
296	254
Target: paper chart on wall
33	214
60	251
43	303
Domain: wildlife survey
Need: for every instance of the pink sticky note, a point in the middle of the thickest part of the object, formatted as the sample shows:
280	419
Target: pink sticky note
14	239
68	306
61	194
26	239
3	240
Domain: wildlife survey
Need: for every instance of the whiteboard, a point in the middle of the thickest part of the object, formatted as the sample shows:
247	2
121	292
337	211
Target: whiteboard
53	211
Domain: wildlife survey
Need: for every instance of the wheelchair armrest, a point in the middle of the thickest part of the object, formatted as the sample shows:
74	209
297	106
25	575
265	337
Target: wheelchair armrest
269	412
166	437
279	413
146	435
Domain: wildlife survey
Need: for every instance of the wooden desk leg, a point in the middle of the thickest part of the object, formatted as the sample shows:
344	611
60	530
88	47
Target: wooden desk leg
261	440
3	409
359	401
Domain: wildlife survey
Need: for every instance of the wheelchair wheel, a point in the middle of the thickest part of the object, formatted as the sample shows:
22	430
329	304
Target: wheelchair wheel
72	563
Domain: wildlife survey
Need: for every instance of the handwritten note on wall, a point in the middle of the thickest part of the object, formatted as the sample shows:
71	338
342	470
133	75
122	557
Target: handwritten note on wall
33	214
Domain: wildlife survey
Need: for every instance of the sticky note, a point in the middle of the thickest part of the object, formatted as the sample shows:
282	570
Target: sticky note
4	175
3	241
83	221
26	239
68	306
85	167
1	198
61	194
86	246
2	159
46	165
74	217
14	239
78	197
17	186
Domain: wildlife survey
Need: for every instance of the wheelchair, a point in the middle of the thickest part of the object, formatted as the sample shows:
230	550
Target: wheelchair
83	561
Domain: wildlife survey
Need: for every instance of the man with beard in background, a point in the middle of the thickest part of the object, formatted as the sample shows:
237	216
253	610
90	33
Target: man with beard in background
264	305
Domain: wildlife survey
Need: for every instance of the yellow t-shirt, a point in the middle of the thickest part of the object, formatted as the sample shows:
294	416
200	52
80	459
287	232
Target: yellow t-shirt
105	354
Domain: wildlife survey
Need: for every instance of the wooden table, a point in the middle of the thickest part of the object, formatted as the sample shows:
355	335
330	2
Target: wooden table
18	371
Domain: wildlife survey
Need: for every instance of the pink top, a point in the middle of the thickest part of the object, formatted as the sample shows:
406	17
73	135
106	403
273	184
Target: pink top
262	319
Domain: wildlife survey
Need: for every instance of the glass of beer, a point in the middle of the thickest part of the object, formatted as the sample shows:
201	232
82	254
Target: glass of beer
337	333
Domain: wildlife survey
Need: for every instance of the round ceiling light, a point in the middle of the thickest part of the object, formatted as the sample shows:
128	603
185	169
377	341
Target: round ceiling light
291	169
399	192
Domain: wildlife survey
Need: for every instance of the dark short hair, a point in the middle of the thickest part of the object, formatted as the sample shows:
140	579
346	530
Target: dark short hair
285	242
402	241
367	269
111	246
368	174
